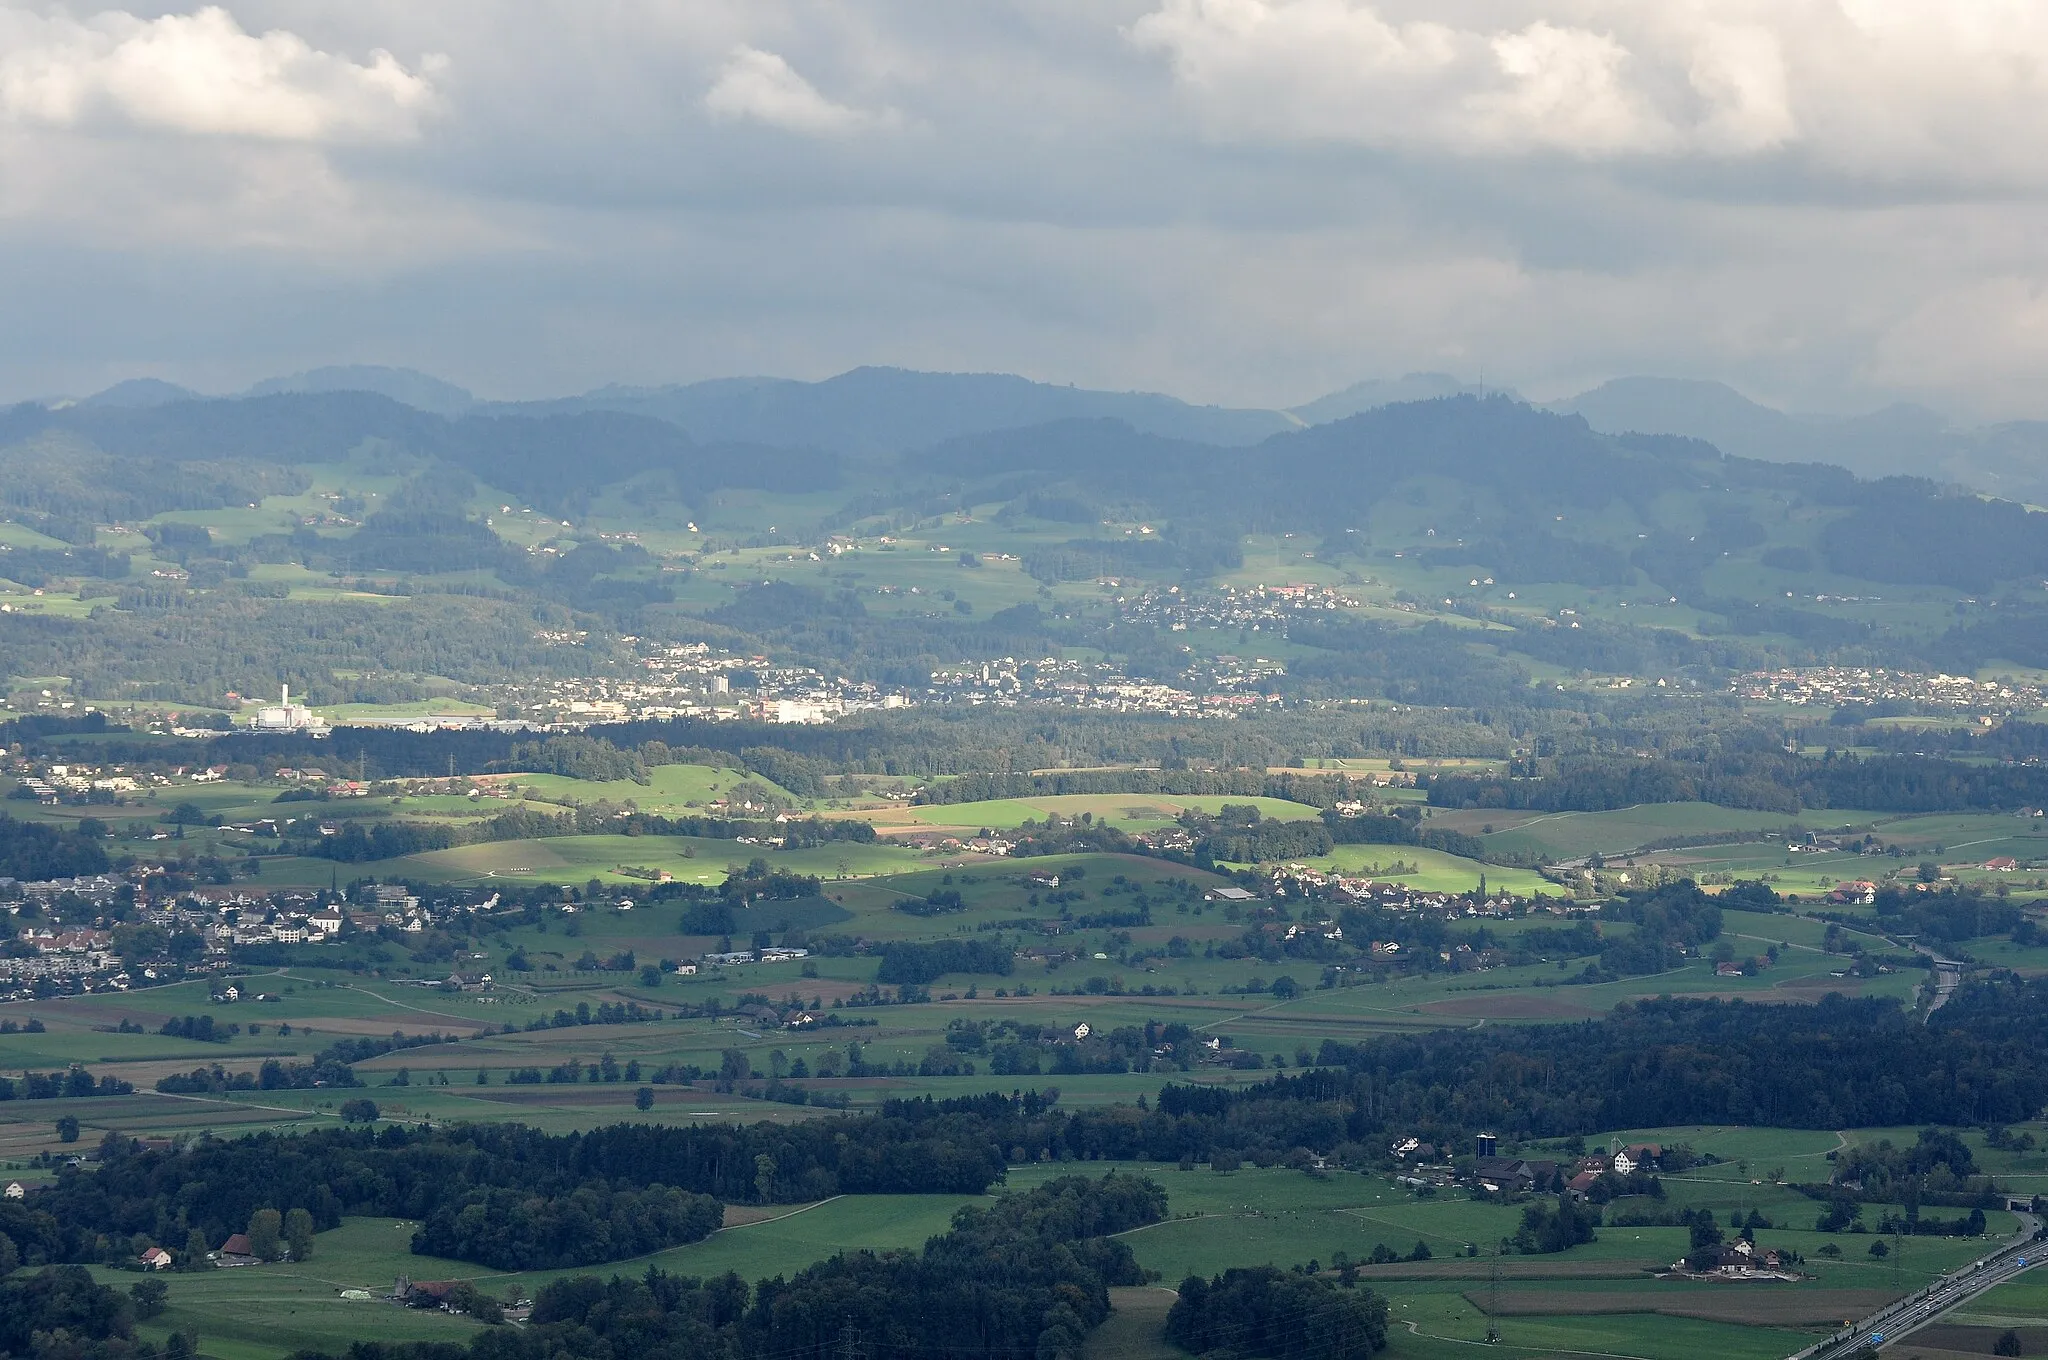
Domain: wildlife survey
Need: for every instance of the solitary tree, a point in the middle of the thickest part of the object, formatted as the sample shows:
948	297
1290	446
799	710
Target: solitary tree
149	1296
266	1234
298	1234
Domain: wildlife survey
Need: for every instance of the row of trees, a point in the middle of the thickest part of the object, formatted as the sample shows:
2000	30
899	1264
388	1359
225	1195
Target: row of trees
1771	781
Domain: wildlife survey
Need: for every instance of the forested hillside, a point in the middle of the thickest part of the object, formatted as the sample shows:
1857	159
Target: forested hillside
1398	503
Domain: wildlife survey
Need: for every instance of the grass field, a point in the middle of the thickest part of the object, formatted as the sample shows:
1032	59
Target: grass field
1572	835
574	859
1127	811
1599	1297
670	789
1430	870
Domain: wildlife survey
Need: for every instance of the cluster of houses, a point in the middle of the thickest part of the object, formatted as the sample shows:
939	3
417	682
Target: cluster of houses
995	843
71	782
689	680
1099	685
1300	880
1497	1174
768	954
1836	686
75	958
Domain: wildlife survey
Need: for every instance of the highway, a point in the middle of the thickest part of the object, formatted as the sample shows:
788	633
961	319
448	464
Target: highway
1895	1320
1948	975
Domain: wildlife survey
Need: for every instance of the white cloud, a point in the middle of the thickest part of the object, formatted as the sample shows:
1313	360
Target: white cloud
1340	71
1821	200
201	74
761	87
1566	88
1888	89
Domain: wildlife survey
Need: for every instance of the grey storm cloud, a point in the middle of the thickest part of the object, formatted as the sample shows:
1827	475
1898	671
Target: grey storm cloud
1829	202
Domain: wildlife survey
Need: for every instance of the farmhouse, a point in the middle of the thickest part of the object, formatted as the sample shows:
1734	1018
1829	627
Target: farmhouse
1636	1155
236	1251
156	1258
2004	864
423	1293
1512	1173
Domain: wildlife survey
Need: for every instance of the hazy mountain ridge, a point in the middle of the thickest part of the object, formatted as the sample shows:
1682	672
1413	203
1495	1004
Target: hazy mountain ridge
1903	439
881	412
421	391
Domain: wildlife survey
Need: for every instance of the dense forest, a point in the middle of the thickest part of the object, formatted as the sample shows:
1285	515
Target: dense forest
503	1193
1282	1314
36	850
1657	1063
63	1311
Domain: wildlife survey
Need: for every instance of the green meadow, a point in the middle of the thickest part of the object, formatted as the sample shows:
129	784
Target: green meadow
1603	1294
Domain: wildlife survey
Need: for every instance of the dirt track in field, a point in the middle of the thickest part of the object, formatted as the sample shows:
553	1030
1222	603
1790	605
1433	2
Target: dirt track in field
1747	1304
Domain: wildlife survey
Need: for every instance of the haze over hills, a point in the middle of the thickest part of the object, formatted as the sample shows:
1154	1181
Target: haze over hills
1900	440
865	411
142	392
1376	392
422	391
886	410
878	411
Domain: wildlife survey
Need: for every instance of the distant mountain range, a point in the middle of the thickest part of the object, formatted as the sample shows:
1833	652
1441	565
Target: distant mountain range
871	412
864	412
2008	460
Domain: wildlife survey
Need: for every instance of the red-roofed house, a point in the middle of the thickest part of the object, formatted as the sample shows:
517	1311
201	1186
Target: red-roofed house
236	1251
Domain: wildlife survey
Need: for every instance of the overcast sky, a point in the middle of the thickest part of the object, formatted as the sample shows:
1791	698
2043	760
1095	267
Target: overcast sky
1829	203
